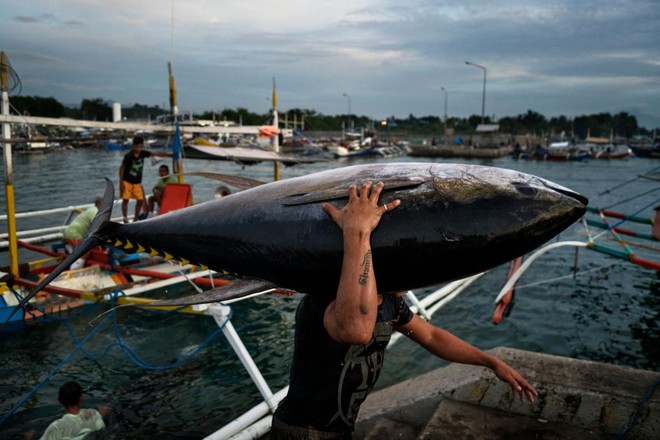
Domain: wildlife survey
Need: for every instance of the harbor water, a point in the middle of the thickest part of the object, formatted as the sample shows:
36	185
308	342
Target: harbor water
585	305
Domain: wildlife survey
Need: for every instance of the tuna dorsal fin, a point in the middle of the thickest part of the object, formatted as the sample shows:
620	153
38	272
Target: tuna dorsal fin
341	191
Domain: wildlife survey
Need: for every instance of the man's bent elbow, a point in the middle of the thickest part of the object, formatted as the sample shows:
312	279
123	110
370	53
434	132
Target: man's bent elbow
352	337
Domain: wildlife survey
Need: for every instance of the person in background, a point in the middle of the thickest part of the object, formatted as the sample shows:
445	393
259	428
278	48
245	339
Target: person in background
130	178
340	341
76	422
157	197
656	223
77	229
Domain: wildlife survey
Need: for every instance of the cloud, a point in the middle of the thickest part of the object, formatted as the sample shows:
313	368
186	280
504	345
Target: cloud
23	19
392	57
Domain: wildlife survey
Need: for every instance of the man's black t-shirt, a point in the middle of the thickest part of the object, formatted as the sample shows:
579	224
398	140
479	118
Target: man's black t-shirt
329	380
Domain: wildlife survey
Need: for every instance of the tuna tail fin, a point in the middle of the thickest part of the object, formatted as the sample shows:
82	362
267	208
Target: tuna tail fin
92	239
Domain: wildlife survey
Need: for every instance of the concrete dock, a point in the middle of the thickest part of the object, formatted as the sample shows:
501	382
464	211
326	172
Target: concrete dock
461	151
577	400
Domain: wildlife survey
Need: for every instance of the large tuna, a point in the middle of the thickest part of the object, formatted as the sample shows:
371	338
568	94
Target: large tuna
454	221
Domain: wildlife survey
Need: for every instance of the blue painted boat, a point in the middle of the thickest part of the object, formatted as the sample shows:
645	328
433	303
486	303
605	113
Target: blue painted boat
112	145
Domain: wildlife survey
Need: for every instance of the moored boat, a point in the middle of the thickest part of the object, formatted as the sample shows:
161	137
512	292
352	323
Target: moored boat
105	272
558	152
608	151
116	144
646	148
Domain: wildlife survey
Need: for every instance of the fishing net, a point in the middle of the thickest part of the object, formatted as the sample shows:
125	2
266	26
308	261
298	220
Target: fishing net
10	79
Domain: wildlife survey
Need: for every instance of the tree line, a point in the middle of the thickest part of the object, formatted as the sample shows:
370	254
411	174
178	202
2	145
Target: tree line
601	124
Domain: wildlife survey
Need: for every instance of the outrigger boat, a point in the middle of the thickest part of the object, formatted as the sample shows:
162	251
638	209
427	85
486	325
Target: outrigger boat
105	271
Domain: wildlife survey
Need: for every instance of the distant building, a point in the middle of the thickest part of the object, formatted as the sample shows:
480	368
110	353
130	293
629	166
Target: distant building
488	128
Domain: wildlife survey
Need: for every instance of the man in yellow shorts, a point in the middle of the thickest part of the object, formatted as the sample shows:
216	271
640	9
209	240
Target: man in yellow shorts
130	177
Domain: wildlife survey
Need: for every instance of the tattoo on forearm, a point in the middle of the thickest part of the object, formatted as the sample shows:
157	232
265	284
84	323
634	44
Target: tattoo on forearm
366	262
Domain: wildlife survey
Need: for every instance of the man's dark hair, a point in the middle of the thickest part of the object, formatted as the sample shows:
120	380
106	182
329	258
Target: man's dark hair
166	167
70	394
137	140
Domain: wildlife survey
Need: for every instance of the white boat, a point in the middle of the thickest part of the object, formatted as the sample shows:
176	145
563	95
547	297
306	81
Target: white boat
396	150
609	151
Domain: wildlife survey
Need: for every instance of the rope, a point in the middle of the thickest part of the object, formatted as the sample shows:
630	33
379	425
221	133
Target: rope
63	362
607	191
118	343
563	277
138	361
640	407
14	80
628	199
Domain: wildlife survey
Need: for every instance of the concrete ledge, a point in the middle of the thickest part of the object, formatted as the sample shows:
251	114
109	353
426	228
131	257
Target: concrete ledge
458	420
588	395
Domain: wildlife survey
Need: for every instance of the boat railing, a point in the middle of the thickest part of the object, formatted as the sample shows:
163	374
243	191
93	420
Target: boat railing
51	233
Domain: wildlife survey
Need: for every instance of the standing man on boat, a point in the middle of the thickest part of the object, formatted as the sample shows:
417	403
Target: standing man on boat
340	341
130	178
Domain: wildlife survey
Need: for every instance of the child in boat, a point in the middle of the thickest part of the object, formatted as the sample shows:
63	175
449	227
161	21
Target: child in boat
159	189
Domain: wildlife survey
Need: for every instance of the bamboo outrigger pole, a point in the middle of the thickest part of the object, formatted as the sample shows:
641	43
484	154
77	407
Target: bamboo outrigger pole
9	174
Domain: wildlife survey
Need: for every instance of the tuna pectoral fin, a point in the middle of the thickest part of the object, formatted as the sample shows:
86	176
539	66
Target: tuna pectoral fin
233	290
341	191
91	240
237	181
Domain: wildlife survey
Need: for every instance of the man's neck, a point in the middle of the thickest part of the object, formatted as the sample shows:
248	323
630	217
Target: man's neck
73	409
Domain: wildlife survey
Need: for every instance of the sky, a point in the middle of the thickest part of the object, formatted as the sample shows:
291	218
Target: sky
377	58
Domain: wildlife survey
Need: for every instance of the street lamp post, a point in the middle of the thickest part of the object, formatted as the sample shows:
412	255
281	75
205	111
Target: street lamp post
483	98
349	108
443	89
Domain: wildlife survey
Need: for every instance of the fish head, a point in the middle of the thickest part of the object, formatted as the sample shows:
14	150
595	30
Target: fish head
505	203
465	219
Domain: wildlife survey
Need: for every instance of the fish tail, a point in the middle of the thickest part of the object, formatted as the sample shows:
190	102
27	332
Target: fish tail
93	238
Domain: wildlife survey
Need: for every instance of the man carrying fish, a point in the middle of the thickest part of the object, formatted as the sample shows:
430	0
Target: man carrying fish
340	341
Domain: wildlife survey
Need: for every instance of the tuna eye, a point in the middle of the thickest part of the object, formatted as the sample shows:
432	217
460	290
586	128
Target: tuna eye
525	189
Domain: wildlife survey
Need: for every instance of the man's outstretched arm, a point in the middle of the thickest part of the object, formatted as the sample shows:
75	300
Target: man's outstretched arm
452	348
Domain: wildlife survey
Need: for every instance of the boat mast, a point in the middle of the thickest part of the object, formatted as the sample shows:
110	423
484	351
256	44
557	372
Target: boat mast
276	140
177	160
177	148
9	174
